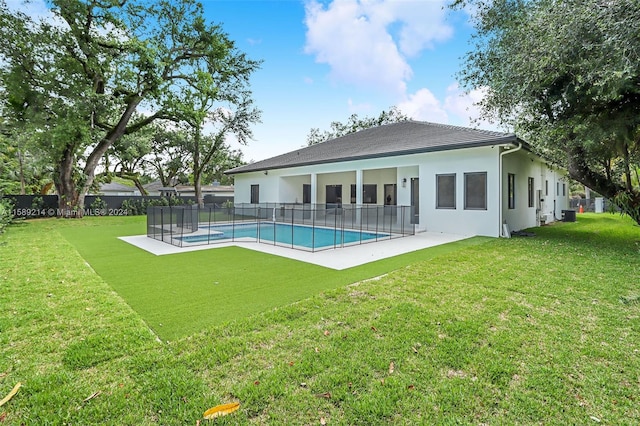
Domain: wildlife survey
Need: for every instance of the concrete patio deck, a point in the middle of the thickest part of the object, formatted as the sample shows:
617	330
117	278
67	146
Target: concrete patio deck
340	258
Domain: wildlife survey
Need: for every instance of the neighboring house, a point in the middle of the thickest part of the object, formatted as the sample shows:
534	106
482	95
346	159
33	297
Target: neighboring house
457	180
115	188
214	191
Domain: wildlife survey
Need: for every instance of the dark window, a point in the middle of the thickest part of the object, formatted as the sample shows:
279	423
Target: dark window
511	190
306	193
334	195
353	193
475	191
369	194
530	191
546	187
557	188
446	191
564	189
255	194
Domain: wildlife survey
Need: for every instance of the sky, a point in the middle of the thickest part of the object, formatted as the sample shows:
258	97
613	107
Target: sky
325	60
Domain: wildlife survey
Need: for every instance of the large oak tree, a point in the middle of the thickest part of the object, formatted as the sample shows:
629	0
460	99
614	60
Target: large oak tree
102	69
566	76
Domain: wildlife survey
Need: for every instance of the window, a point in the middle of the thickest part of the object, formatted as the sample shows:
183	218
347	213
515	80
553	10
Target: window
546	187
475	191
353	193
557	188
446	191
511	191
306	193
369	194
255	194
530	191
333	195
564	189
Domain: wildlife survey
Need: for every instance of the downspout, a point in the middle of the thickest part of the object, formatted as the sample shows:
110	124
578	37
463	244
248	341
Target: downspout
500	195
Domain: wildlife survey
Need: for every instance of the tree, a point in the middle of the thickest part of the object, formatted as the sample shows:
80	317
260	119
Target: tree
129	153
23	170
102	70
354	124
168	155
566	76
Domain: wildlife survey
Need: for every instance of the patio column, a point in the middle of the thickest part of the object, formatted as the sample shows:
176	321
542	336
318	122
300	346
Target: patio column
359	196
314	188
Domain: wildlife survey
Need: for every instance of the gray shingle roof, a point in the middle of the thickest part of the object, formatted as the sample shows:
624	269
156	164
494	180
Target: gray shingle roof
407	137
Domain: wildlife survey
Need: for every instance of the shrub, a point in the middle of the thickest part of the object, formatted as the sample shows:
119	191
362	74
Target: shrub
99	205
6	214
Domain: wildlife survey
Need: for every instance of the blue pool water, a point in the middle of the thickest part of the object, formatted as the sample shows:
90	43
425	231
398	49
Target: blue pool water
297	235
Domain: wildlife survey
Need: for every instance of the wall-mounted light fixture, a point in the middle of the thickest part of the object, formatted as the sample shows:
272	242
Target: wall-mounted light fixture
404	182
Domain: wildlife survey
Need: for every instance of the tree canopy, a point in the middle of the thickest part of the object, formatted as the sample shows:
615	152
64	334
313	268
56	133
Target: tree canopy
354	124
100	70
566	76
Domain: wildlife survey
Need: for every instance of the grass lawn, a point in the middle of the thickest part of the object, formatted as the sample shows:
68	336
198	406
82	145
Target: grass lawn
180	294
540	330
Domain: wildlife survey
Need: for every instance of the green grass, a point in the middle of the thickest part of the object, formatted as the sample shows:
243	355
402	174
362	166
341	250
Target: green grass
180	294
541	330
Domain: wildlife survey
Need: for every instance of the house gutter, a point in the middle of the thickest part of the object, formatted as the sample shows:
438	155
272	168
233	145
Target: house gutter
500	202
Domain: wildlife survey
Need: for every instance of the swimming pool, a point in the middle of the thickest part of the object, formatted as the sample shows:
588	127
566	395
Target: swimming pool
285	234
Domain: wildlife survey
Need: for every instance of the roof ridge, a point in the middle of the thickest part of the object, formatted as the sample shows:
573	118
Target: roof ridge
453	126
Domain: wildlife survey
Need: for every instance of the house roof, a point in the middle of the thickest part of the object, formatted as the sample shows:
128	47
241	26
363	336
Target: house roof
406	137
116	187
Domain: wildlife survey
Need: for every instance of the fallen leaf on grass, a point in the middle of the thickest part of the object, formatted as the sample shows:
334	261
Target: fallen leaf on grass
3	416
221	410
373	328
326	395
392	367
10	394
411	387
90	397
323	421
327	332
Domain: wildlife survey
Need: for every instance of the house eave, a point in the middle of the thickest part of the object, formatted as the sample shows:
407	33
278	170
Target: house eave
508	140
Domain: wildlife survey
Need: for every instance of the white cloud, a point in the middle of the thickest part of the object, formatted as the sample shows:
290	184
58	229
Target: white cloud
424	106
356	39
459	108
463	106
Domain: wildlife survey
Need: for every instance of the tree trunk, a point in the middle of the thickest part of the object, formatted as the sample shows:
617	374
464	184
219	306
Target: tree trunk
68	197
21	166
627	200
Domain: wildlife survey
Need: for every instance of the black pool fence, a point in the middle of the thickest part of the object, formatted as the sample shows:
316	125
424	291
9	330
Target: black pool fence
339	225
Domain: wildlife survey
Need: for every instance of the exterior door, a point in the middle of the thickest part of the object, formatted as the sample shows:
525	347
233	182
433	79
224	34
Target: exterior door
390	194
415	200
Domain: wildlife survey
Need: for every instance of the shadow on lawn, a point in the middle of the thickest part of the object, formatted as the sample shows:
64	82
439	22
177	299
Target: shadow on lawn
595	232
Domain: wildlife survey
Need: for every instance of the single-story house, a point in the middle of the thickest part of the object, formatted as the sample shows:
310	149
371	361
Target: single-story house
114	188
214	190
457	180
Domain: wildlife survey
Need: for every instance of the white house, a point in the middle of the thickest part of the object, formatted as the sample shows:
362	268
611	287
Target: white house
457	180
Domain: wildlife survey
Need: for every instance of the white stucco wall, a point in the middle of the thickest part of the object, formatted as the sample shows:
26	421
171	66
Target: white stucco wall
285	185
546	205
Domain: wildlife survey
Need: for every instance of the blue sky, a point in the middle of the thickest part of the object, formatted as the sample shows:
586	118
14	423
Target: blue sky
325	60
